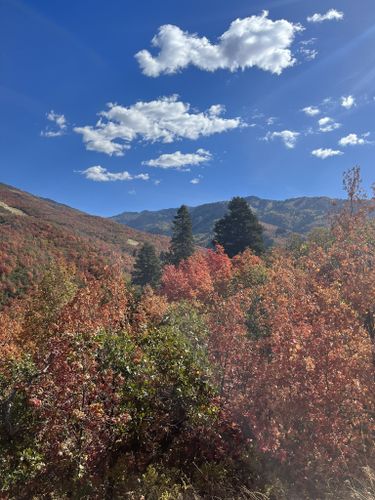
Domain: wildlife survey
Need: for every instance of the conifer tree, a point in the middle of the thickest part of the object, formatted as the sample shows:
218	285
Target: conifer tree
147	267
182	243
239	229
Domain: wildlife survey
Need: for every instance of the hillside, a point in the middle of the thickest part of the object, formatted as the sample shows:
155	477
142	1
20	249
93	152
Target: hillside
34	230
279	218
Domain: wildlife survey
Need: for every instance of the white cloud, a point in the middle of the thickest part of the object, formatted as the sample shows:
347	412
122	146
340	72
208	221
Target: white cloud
254	41
195	181
326	124
166	119
60	125
326	153
216	110
331	15
271	120
347	102
288	137
306	49
309	54
101	139
311	110
60	120
310	41
354	140
180	160
52	133
101	174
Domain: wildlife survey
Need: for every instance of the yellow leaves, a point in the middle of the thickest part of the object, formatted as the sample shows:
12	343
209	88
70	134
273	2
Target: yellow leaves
78	414
96	409
310	365
121	420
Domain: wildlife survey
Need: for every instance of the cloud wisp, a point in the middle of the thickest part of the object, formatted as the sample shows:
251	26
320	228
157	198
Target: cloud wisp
288	137
311	110
59	122
180	161
324	153
163	120
330	15
255	41
98	173
307	50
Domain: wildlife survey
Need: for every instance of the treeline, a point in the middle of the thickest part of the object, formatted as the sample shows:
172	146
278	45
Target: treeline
237	231
242	376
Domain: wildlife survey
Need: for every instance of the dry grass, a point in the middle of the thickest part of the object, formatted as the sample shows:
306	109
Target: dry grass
364	487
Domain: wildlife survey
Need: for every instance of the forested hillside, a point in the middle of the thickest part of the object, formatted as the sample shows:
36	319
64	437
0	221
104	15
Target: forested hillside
34	231
279	218
244	377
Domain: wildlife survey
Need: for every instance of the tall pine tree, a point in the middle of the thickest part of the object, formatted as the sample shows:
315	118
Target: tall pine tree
147	267
239	229
182	243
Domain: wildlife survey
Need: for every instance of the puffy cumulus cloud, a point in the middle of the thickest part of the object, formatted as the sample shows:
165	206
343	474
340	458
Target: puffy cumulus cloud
354	140
165	119
347	102
323	154
326	124
101	139
179	160
311	110
60	125
254	41
101	174
330	15
289	137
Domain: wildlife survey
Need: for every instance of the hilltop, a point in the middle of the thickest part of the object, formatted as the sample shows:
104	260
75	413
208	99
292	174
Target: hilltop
279	218
34	231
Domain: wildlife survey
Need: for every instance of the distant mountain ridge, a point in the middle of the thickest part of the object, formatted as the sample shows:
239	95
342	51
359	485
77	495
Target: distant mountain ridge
279	218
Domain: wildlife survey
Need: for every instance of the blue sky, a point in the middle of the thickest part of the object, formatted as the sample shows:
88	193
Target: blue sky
215	110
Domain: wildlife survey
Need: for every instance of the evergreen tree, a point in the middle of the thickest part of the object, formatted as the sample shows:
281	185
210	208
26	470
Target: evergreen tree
182	244
239	229
147	267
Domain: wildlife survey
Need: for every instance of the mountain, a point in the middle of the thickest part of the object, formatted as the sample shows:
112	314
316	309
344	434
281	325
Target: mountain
34	231
279	218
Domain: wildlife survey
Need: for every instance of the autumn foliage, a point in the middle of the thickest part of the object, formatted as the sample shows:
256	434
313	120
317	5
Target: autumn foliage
231	373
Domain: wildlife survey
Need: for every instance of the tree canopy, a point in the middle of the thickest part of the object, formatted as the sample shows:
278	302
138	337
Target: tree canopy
239	229
147	267
182	243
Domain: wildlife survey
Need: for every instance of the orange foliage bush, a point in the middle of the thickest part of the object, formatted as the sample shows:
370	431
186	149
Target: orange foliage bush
291	344
290	341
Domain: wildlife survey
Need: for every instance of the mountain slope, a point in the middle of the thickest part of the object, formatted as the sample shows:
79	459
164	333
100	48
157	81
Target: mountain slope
296	215
34	231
